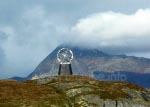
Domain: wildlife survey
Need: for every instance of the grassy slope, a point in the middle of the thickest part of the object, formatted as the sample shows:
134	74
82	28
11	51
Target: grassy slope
16	94
59	91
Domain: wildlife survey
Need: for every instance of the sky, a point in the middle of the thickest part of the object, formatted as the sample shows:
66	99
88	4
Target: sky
31	29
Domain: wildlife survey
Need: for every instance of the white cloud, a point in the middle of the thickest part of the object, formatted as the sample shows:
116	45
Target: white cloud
110	29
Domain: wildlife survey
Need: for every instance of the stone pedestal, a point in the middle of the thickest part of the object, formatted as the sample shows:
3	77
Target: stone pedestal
65	69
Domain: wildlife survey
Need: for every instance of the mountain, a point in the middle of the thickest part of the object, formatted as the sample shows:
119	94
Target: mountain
18	78
72	91
141	79
100	65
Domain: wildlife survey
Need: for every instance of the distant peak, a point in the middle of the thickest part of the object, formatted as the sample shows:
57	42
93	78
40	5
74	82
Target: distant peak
81	51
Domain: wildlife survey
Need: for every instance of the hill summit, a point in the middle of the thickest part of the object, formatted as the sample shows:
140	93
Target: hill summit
72	91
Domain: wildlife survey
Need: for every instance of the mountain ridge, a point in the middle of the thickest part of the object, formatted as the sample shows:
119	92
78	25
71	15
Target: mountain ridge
89	61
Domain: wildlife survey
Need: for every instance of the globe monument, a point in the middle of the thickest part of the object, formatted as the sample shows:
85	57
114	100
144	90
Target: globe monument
65	56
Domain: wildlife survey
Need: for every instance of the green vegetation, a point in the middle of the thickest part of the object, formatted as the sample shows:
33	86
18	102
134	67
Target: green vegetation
16	94
67	91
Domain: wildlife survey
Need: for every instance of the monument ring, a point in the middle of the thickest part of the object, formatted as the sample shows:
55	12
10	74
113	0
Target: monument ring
64	56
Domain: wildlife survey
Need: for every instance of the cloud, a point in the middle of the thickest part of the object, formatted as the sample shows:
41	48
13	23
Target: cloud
110	30
30	42
36	31
3	37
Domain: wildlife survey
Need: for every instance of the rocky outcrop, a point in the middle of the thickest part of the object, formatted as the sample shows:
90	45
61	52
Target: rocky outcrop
71	91
87	92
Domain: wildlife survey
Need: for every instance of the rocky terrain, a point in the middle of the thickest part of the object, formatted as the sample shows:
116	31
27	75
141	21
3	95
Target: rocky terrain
72	91
95	62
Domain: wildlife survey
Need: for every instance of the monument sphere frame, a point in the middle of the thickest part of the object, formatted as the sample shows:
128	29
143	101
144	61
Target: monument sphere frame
65	56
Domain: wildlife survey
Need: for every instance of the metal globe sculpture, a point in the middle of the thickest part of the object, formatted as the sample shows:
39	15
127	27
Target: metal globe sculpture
64	57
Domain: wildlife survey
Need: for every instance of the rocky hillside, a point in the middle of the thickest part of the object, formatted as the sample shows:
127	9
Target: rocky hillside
96	62
72	91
